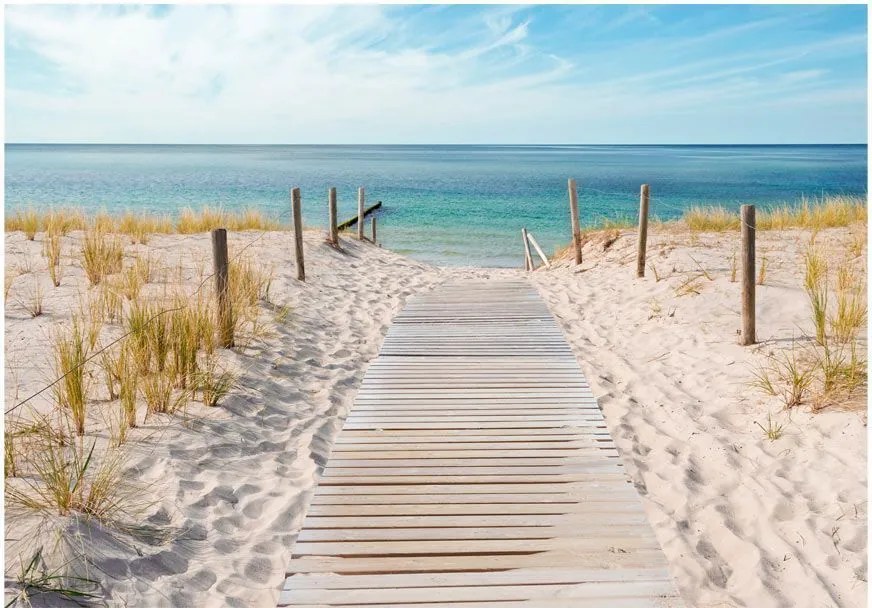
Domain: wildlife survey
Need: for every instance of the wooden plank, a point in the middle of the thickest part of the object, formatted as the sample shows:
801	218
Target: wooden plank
471	533
493	489
609	494
525	576
527	520
465	563
478	547
552	508
587	590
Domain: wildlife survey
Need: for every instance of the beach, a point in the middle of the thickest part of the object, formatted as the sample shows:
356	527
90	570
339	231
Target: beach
216	494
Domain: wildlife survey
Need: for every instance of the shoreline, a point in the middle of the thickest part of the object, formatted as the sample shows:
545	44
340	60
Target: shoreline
230	483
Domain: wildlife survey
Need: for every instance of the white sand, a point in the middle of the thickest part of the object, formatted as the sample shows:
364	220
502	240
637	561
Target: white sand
743	521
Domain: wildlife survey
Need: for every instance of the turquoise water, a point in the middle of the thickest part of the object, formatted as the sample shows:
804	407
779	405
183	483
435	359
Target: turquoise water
455	205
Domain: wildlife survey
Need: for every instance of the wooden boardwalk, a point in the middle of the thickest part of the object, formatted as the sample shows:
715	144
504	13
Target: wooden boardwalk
475	469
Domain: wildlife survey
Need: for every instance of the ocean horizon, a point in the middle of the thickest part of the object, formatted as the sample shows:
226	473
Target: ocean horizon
448	204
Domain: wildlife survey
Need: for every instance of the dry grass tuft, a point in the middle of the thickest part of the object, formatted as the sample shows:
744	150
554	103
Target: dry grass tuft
27	221
101	255
52	251
71	351
772	430
815	283
787	375
32	302
130	282
157	392
66	477
214	383
850	311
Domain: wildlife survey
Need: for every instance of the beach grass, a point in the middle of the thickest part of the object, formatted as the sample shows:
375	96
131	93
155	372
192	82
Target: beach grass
815	214
71	352
139	226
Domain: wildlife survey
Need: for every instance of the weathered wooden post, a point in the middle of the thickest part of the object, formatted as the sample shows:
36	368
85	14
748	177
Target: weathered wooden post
333	232
297	205
749	228
528	259
374	241
221	267
643	231
360	212
539	250
573	215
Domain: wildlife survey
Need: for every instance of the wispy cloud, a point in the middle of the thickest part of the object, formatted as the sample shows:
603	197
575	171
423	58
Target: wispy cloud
286	74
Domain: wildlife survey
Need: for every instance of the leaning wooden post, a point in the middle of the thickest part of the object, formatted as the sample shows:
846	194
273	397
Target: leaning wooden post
573	214
333	232
528	259
360	212
539	250
643	231
749	228
374	241
220	264
297	207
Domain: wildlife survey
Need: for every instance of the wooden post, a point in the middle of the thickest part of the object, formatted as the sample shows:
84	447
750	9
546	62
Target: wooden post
573	215
220	264
528	259
333	232
749	225
374	241
360	212
539	250
296	206
643	231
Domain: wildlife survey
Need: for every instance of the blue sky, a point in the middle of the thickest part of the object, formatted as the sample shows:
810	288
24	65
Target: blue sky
436	74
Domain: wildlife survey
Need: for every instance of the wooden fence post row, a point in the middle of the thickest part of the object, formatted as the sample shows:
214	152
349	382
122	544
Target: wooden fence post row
221	267
749	321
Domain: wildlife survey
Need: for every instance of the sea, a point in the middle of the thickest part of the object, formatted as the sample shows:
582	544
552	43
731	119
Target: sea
455	205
